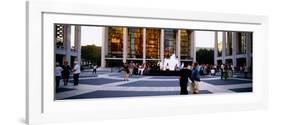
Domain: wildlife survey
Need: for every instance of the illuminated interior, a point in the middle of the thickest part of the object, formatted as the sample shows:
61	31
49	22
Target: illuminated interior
115	42
153	43
135	43
169	42
185	44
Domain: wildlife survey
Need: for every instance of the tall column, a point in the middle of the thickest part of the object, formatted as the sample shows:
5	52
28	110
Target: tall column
67	43
78	43
216	48
224	38
144	45
162	46
234	48
104	46
192	46
178	45
125	47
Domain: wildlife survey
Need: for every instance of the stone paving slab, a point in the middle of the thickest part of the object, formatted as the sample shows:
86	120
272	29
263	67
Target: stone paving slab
98	81
227	82
111	94
63	90
153	84
242	90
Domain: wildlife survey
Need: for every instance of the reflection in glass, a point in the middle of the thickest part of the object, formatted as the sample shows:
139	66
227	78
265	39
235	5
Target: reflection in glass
241	43
152	43
229	44
169	42
115	42
135	42
185	44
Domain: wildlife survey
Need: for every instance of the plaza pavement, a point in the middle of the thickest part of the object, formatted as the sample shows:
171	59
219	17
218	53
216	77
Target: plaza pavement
107	85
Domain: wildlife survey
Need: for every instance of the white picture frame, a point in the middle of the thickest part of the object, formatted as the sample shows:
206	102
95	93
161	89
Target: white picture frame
41	107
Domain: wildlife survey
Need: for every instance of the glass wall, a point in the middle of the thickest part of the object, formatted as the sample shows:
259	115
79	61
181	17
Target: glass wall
229	44
242	43
135	42
185	44
169	42
153	43
115	42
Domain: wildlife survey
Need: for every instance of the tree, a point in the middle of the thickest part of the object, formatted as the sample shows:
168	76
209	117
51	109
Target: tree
91	54
205	56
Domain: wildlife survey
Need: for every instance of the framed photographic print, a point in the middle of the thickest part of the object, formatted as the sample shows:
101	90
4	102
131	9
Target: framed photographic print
91	62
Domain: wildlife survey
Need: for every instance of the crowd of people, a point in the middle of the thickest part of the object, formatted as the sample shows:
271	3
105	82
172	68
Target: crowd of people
64	71
186	72
225	70
132	68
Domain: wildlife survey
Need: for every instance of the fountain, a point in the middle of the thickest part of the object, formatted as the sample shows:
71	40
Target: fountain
167	67
171	63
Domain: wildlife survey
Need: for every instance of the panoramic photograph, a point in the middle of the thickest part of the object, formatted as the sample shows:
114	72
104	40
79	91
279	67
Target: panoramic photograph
117	61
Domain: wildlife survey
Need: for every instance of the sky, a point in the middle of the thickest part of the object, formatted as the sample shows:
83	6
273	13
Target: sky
93	35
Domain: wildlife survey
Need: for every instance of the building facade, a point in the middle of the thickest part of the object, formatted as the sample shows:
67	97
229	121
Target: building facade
67	43
233	48
146	45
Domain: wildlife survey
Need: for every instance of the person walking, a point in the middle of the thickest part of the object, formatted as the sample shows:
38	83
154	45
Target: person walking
196	79
65	72
76	71
131	68
58	74
184	76
95	69
222	71
232	70
125	70
246	70
225	72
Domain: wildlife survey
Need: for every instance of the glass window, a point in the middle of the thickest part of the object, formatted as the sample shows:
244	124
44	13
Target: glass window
115	42
169	42
185	44
242	38
229	44
135	42
153	43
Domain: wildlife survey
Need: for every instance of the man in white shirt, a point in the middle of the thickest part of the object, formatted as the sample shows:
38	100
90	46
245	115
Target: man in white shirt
76	71
58	71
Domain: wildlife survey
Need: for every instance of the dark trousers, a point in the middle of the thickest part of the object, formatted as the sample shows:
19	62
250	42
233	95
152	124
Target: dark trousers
58	81
95	71
76	78
245	75
222	73
183	86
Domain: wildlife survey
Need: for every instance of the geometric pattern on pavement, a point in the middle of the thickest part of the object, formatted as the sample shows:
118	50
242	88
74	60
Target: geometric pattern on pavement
112	85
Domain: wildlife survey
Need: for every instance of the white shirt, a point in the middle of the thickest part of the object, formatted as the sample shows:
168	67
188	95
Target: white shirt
232	67
76	69
58	71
